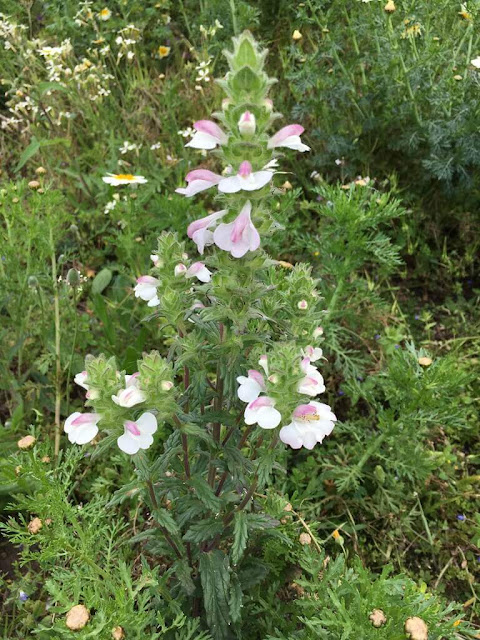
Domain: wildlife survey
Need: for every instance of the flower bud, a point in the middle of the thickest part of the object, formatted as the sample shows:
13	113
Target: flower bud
166	385
26	442
268	104
32	282
179	269
34	184
305	538
303	304
318	332
390	7
226	102
73	277
247	124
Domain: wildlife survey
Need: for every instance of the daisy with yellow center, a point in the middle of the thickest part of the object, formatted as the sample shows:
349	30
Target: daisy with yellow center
105	14
116	179
464	13
163	51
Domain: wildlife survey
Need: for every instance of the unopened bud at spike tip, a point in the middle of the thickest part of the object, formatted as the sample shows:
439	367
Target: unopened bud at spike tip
247	124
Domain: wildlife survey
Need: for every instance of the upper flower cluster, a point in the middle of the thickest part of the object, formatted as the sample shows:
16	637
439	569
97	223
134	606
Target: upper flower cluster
247	151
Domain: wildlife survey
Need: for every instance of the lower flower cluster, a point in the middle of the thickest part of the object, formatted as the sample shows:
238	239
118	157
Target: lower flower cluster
309	424
82	428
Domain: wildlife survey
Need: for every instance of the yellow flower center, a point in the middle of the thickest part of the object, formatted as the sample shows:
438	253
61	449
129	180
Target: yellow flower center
105	12
124	176
163	51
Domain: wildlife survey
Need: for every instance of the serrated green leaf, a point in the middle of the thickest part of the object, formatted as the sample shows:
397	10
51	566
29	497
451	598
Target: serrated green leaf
252	572
240	535
215	578
204	493
204	530
184	574
164	519
236	599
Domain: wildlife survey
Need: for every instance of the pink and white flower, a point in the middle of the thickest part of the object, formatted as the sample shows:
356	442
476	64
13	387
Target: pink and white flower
200	231
250	387
262	412
247	124
289	137
132	394
146	289
208	135
313	353
310	424
312	384
81	427
200	271
240	236
81	380
198	180
139	434
245	179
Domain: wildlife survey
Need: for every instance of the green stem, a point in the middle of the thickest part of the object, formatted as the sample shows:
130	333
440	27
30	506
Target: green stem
233	11
58	365
74	344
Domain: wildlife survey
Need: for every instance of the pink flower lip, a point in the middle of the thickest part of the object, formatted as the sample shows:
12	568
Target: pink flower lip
202	174
146	280
209	127
262	401
132	378
304	410
286	132
247	116
85	418
196	267
204	223
245	169
257	376
304	364
132	428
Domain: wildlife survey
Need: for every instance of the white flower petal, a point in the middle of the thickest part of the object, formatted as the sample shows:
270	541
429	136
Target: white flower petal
128	444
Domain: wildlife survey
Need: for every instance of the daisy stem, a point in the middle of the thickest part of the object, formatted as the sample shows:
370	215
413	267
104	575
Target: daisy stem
58	364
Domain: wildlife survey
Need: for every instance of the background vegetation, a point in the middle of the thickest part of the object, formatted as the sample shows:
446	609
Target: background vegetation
385	209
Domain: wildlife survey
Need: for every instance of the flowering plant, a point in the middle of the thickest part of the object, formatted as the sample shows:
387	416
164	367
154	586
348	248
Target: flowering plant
241	373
